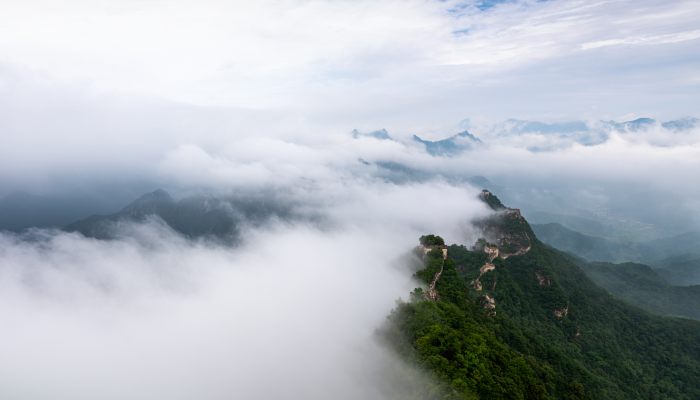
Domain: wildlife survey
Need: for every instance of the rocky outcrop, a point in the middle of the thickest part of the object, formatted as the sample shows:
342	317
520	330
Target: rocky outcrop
489	304
542	280
506	228
560	313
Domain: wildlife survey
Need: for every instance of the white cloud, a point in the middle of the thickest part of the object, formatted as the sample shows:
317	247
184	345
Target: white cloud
292	312
387	61
645	40
236	97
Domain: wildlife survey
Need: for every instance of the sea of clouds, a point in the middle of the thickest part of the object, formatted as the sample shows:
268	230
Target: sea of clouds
292	311
239	99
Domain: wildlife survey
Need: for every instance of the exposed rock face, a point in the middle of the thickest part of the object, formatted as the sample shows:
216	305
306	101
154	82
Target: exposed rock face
506	234
561	312
542	280
491	200
507	228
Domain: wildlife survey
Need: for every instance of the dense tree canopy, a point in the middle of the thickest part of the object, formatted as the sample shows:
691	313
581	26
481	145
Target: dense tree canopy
553	334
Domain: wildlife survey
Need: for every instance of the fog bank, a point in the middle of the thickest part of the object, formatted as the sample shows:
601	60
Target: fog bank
290	313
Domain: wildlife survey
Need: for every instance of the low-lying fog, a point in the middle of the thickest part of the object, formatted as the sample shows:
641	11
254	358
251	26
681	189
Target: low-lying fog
289	313
101	102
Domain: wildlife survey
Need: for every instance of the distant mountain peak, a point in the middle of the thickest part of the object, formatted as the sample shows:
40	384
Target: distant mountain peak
380	134
450	146
524	126
681	124
633	125
156	195
149	203
491	200
507	229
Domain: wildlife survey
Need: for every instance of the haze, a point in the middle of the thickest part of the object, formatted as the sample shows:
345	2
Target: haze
101	102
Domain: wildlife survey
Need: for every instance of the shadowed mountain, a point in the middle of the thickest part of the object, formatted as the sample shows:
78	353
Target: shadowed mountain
685	243
682	270
192	216
667	290
595	248
586	246
644	287
19	210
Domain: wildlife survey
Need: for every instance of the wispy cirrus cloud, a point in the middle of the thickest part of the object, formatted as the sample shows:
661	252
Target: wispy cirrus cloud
645	40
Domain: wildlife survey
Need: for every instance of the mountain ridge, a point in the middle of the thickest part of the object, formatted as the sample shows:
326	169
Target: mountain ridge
536	328
595	248
194	216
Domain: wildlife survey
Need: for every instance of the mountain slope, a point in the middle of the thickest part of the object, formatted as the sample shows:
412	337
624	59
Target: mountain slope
512	318
450	146
640	285
682	270
586	246
595	248
192	216
19	211
682	124
634	283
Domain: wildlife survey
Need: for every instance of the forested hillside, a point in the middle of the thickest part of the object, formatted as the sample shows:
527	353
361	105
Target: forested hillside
640	285
511	318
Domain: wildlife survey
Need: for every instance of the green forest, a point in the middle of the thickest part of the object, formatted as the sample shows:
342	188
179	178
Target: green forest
539	328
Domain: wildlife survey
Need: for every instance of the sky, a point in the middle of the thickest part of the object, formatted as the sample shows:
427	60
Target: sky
100	96
357	62
116	98
117	89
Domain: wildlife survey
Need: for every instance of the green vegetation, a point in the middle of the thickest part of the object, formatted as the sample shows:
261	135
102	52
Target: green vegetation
491	200
431	240
681	270
676	251
641	286
666	290
597	347
589	247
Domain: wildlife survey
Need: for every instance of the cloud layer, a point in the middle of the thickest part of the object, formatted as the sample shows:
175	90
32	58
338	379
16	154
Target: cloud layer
291	312
240	98
431	61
